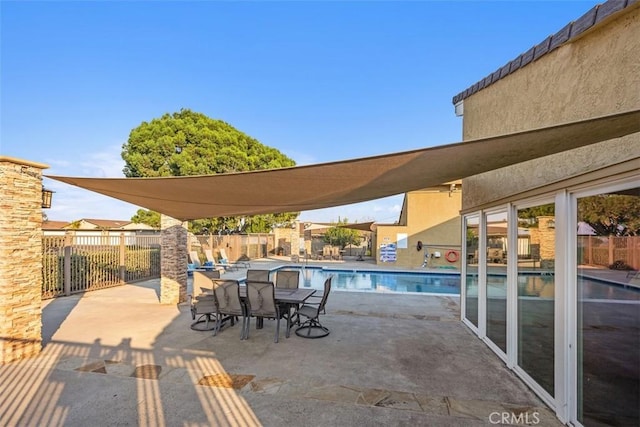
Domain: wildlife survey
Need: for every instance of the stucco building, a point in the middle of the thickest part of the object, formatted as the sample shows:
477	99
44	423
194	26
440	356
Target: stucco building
427	233
568	329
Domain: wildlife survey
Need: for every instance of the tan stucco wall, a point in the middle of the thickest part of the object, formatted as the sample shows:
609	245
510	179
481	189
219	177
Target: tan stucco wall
432	217
595	75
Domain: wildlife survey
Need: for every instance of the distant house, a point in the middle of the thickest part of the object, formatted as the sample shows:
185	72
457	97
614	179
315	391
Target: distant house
54	225
106	224
94	227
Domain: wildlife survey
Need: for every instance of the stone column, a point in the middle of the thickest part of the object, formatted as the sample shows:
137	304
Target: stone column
20	258
173	266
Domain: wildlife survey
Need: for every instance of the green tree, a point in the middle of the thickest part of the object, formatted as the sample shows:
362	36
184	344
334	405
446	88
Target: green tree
75	225
528	217
145	216
342	236
189	143
611	214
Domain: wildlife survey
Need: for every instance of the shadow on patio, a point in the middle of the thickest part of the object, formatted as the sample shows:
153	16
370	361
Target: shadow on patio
120	358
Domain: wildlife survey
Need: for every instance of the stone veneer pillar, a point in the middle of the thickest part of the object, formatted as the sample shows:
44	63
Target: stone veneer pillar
20	258
173	266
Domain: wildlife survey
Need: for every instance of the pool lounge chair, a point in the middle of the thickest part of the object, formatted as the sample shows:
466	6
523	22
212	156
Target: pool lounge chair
211	261
196	265
224	260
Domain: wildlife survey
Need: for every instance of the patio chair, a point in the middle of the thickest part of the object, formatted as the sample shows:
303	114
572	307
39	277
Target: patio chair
261	302
224	260
312	328
288	279
326	252
259	275
228	303
203	305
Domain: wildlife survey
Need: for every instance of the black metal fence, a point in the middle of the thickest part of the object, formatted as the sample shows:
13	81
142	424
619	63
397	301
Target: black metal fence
77	263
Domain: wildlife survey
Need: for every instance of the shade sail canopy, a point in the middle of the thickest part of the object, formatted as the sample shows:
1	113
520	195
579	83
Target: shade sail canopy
362	226
339	183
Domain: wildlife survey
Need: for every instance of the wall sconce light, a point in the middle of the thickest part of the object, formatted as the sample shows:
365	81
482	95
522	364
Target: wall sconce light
551	224
47	195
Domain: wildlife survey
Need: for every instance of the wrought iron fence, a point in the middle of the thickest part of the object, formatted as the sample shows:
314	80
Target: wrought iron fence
76	263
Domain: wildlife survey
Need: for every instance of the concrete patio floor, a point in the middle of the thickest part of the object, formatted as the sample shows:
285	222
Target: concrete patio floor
119	357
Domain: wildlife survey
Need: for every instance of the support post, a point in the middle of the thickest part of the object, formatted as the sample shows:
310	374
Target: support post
20	259
173	264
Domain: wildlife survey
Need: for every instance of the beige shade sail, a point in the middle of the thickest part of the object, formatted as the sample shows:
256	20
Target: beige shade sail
351	181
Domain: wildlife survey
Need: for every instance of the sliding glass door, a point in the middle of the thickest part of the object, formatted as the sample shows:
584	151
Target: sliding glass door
496	278
471	277
608	308
536	243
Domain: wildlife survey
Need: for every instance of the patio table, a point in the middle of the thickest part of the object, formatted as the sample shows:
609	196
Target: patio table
289	297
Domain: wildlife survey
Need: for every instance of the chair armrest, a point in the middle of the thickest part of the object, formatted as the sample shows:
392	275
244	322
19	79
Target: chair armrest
313	300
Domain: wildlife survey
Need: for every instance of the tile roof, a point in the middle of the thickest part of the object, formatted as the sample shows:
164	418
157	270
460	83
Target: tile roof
54	225
107	223
569	32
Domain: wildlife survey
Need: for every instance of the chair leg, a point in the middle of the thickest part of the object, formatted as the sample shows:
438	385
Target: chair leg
243	329
217	328
244	321
277	329
247	327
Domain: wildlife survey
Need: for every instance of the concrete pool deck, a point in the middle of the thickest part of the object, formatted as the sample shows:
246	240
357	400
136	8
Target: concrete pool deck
118	357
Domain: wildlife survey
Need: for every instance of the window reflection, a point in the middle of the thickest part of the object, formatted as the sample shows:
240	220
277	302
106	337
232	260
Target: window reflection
608	293
536	293
471	279
497	279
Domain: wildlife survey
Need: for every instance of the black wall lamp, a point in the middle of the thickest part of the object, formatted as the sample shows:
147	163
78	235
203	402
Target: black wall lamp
47	195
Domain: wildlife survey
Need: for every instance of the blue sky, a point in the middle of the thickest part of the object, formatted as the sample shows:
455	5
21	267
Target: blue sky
319	81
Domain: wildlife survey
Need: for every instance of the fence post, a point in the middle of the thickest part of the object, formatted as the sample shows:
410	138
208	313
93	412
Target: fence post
68	241
611	249
123	268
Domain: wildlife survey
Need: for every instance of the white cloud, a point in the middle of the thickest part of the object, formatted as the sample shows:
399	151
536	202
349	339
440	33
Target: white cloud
72	203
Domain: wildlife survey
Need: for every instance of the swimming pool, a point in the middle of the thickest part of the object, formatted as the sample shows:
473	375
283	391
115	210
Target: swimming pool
530	285
379	281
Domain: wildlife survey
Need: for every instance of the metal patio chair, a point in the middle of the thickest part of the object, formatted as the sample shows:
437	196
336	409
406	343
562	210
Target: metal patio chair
261	302
203	304
229	303
312	328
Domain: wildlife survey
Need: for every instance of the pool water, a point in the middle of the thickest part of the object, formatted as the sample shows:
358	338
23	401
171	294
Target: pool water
543	286
379	281
537	286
